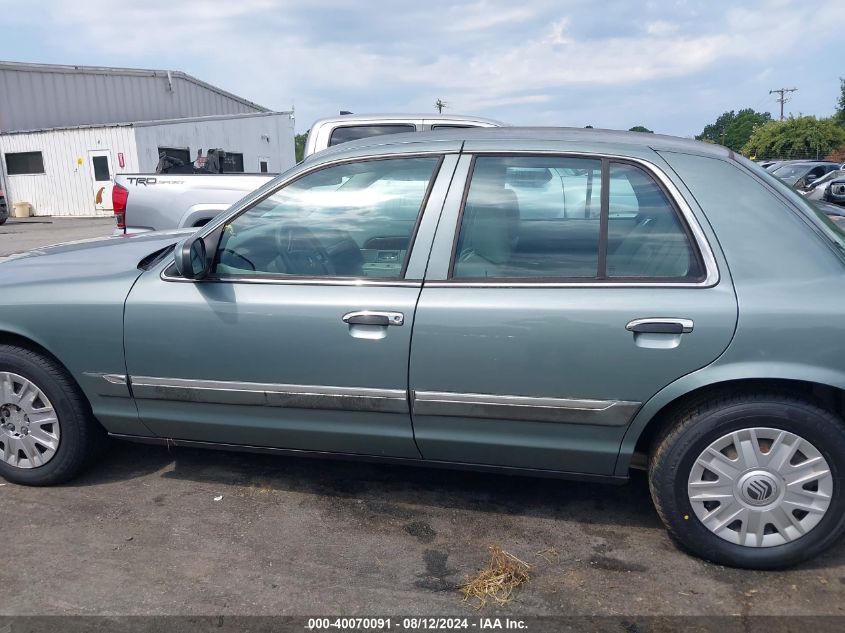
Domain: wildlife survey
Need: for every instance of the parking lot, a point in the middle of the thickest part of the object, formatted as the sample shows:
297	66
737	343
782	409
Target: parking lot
153	530
18	235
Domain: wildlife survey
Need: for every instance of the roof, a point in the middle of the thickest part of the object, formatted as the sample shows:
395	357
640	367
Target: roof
112	71
565	134
193	119
358	118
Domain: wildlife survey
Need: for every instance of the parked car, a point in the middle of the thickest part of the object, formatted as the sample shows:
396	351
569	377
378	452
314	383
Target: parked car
815	190
156	202
834	190
4	209
333	131
416	300
801	173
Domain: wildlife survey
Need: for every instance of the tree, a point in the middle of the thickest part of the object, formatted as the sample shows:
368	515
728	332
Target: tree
299	145
840	105
733	129
640	128
795	137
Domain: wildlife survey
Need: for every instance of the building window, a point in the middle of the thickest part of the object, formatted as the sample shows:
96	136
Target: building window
101	168
262	166
21	163
233	163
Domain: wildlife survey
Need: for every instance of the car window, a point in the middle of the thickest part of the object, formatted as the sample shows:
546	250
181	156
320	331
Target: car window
530	217
350	220
354	132
646	238
540	217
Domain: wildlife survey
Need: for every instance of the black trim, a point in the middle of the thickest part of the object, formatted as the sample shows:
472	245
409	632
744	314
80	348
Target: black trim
606	163
604	215
398	461
457	233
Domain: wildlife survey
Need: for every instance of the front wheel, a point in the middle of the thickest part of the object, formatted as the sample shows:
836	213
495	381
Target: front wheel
752	481
47	432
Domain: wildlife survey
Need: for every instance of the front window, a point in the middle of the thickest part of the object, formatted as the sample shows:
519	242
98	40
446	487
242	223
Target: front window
350	220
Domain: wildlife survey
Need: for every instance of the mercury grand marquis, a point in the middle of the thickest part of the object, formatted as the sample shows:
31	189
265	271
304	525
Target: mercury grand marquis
563	302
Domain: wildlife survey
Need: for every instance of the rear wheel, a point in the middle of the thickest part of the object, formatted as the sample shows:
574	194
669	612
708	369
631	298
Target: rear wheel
47	432
752	481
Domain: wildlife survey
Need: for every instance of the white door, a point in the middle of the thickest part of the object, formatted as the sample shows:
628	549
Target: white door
101	180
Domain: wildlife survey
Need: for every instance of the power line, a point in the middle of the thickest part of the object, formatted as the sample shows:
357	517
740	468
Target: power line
783	98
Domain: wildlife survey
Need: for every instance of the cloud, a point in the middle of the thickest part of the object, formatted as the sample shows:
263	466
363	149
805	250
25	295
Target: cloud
546	57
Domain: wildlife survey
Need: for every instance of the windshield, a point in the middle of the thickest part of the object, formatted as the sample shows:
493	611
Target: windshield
791	173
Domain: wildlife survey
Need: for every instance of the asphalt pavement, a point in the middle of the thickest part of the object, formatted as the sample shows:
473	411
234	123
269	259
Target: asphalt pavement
158	531
22	234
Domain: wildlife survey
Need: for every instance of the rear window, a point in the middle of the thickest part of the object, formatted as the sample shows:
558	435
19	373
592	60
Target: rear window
354	132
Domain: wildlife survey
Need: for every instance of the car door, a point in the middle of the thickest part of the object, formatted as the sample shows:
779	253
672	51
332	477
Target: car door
540	333
299	338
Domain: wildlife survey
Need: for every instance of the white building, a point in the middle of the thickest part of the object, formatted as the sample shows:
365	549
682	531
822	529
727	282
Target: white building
65	131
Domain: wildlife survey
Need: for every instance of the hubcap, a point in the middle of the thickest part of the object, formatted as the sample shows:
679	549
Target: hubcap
760	487
29	428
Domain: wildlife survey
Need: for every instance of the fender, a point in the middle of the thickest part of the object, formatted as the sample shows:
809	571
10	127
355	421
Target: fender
713	375
201	213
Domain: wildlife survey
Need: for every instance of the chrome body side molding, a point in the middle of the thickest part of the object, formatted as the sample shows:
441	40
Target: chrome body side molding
560	410
108	385
270	395
424	403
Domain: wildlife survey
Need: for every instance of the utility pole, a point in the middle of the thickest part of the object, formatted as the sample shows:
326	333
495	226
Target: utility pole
783	98
439	105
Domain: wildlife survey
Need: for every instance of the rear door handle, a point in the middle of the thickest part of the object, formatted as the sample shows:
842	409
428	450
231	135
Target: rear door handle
660	326
369	317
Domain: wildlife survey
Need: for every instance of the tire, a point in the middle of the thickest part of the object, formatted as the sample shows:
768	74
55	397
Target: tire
68	446
680	476
3	220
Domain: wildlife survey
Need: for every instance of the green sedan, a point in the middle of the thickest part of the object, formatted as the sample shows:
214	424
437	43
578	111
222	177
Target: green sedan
543	302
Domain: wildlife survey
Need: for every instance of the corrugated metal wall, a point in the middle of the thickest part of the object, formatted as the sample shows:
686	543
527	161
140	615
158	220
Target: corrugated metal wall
34	98
66	187
269	137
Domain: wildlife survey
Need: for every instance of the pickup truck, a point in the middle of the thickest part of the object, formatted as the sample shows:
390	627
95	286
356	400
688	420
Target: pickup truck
156	202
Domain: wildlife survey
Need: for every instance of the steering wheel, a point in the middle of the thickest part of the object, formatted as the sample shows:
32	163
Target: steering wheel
301	251
239	256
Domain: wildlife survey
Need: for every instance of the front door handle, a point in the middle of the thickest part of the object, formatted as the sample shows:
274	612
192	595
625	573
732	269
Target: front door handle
660	326
369	317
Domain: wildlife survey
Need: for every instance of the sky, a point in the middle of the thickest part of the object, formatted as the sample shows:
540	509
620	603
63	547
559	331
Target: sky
671	65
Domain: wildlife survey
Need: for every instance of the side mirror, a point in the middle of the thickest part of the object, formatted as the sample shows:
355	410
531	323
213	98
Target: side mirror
191	259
